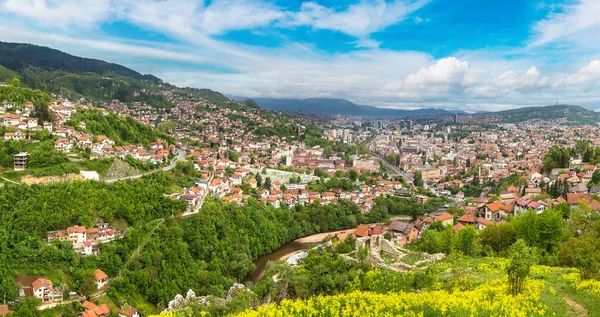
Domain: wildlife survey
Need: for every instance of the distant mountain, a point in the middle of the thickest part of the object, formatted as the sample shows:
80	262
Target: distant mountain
18	56
334	107
98	81
569	114
75	77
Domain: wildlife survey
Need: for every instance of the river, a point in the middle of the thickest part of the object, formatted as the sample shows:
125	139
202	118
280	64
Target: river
287	250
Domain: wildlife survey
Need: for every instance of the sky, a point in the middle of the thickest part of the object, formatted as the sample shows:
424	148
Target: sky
471	55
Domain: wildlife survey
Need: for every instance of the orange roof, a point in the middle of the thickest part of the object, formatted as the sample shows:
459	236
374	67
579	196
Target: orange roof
4	310
508	208
573	199
128	311
88	305
458	226
443	216
100	275
37	284
467	218
101	310
594	204
484	221
495	206
361	231
77	229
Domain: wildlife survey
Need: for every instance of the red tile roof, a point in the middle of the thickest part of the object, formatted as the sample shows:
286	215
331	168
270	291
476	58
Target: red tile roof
361	231
100	275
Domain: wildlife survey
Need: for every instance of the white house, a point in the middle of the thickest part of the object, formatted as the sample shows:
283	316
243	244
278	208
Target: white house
101	278
77	234
43	289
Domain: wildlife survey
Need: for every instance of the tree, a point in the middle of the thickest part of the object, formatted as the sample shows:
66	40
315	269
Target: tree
582	219
353	175
498	237
27	308
467	240
418	179
258	180
15	82
582	253
596	177
521	258
545	231
432	241
267	183
233	156
437	226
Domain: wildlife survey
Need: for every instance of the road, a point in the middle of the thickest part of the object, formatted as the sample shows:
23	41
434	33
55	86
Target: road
395	170
180	157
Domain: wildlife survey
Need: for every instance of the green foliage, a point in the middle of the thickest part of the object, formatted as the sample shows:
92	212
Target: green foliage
122	130
467	241
582	253
233	156
557	157
436	226
7	151
545	231
20	96
210	250
418	179
99	165
44	155
6	75
521	259
434	241
144	166
498	237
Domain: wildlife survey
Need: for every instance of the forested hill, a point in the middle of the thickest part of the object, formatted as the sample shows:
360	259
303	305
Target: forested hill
98	81
332	107
19	57
568	114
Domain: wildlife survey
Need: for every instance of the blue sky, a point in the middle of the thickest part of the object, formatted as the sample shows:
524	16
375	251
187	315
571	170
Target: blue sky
467	54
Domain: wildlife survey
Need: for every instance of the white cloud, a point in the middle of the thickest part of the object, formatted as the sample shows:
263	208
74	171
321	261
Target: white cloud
358	20
585	75
63	13
572	21
446	76
474	80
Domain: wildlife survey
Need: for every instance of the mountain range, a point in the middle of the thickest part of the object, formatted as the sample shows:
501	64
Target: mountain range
75	77
345	107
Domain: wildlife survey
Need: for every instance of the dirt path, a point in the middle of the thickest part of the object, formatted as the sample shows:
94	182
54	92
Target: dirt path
315	238
577	308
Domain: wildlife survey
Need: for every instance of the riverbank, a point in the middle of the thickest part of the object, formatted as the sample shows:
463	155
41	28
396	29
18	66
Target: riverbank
289	249
317	238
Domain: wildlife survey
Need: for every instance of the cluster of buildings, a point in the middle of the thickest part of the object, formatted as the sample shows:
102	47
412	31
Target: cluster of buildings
455	155
48	293
19	121
85	240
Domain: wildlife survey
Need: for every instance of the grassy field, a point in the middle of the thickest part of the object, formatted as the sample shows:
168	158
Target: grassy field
114	308
462	287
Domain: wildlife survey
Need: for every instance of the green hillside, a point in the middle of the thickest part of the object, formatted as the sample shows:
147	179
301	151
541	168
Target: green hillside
570	114
75	77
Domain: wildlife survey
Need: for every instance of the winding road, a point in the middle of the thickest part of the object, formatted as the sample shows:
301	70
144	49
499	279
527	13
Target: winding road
180	157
